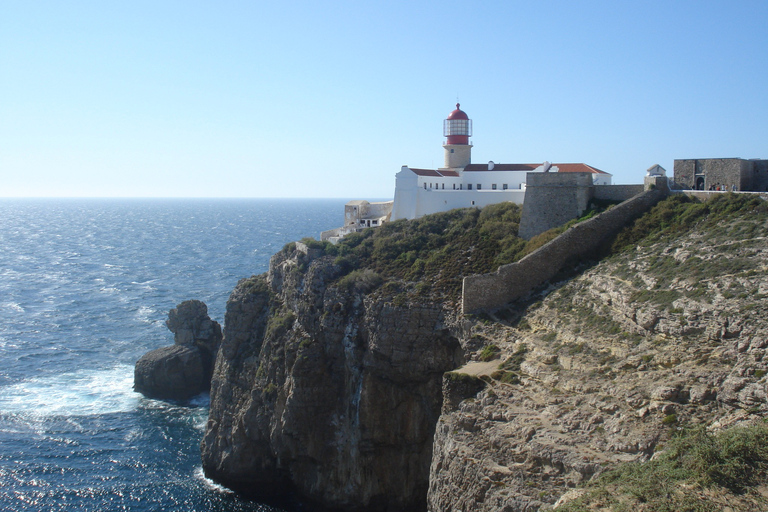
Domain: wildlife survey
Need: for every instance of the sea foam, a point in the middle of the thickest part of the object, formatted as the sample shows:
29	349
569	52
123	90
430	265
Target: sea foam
80	393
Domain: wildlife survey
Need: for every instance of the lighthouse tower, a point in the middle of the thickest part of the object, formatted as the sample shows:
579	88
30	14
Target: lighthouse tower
457	130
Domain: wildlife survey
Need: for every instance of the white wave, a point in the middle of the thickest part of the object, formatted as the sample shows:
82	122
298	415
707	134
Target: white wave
144	314
81	393
14	306
200	475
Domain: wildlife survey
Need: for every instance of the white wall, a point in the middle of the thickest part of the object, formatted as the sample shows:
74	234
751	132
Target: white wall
416	195
432	201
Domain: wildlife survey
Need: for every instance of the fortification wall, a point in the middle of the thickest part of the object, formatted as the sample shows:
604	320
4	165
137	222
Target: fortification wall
760	176
513	281
552	199
685	174
616	192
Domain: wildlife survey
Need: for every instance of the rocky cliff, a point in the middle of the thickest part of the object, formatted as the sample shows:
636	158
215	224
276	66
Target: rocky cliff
330	383
327	392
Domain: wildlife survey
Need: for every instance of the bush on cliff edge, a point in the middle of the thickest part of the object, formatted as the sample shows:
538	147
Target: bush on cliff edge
440	249
694	461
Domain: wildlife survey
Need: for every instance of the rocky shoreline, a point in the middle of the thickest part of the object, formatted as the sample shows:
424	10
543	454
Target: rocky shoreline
380	397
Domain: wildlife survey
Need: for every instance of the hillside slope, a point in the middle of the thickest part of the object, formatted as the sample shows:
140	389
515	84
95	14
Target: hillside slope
669	331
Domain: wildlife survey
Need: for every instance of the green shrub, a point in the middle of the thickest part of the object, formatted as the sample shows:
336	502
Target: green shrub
489	352
362	281
735	459
440	248
669	419
514	361
279	323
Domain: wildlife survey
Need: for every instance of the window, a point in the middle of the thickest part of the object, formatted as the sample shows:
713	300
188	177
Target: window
460	186
425	186
473	203
454	186
478	186
443	187
430	185
374	222
504	186
493	187
469	186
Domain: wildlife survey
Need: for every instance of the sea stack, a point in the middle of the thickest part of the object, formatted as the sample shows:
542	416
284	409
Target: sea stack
182	370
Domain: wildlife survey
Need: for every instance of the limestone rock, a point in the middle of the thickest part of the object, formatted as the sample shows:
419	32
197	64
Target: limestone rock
175	372
184	369
190	324
339	397
331	395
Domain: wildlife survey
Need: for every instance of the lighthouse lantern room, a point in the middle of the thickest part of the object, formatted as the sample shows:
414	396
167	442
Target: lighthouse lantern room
457	129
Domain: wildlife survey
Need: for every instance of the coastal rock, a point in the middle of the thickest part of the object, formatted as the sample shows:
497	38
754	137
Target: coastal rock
175	372
184	369
338	393
331	394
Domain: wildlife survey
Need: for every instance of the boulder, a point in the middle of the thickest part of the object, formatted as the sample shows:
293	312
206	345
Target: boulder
182	370
175	373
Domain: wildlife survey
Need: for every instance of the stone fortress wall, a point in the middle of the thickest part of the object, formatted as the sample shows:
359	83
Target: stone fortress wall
552	199
515	280
616	192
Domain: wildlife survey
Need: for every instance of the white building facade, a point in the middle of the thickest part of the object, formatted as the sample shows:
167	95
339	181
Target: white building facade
458	184
462	184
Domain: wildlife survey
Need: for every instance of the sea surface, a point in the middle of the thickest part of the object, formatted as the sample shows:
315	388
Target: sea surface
85	288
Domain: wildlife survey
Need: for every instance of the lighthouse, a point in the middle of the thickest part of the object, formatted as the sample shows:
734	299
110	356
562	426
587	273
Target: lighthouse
457	129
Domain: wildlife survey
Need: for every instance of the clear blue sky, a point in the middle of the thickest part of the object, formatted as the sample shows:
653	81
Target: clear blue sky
329	99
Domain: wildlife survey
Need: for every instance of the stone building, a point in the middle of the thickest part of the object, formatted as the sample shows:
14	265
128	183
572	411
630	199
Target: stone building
732	174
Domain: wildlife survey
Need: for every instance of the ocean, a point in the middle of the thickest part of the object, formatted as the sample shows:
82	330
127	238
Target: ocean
85	288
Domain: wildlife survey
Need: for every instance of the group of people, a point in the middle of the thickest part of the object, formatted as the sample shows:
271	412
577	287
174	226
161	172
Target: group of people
722	188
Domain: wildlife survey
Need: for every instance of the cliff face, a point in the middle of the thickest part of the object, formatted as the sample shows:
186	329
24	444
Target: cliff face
333	388
331	393
607	366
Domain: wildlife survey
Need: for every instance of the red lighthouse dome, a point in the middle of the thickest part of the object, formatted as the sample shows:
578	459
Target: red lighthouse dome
457	128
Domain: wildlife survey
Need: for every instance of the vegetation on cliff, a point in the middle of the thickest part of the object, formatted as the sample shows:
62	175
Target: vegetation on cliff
437	250
695	471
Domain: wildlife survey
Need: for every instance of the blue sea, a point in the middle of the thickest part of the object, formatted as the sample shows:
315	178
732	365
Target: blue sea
85	288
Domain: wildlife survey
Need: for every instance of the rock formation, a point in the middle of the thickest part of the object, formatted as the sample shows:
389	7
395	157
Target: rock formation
334	388
330	393
607	366
182	370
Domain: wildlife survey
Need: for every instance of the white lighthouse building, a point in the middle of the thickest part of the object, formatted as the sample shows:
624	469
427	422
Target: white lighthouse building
462	184
458	184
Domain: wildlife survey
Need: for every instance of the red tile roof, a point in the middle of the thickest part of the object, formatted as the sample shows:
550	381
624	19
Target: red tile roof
437	173
578	168
433	172
502	167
